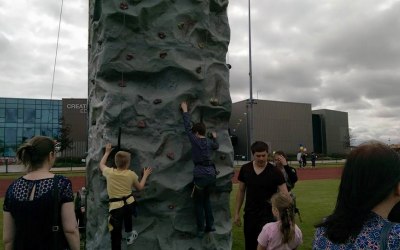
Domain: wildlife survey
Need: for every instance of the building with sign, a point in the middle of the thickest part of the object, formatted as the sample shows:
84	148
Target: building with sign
74	113
21	119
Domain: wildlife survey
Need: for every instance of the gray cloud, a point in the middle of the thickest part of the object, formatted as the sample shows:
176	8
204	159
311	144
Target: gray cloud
340	54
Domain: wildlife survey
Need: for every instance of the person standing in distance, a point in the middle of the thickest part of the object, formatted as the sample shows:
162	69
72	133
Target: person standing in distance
298	156
258	181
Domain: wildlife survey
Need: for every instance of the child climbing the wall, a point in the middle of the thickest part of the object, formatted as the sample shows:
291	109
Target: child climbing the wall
284	233
204	172
120	181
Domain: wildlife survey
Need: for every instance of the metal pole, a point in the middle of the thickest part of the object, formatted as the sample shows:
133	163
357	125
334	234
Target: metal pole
250	113
248	144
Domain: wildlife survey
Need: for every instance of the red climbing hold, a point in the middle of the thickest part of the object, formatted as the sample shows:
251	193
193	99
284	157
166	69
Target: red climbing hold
123	6
162	35
141	124
129	57
157	101
171	155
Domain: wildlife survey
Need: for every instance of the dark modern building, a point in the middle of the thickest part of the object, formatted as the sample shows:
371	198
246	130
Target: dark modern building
283	125
21	119
288	126
330	131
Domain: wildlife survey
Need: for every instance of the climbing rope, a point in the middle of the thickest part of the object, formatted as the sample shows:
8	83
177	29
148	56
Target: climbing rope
50	118
55	58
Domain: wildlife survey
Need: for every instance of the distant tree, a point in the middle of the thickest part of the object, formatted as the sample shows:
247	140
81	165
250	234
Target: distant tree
348	140
64	140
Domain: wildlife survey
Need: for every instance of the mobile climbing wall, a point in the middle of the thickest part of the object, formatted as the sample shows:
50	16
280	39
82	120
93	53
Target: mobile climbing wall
145	57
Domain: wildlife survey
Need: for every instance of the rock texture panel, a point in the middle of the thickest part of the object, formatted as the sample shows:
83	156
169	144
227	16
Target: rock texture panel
145	57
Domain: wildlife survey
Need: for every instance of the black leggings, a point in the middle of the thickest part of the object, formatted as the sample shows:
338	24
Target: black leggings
117	217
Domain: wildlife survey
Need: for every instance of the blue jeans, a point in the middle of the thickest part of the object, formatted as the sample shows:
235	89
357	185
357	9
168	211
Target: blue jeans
203	186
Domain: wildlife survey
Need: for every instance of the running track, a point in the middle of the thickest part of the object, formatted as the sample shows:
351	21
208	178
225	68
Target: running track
303	174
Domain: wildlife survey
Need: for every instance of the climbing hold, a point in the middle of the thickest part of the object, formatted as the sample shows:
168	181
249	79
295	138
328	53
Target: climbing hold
122	84
161	35
129	57
141	124
198	70
163	55
93	122
93	81
229	66
181	25
223	157
123	6
214	101
100	42
171	155
201	45
157	101
171	206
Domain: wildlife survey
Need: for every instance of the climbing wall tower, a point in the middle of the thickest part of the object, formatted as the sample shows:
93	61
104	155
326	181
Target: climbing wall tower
145	58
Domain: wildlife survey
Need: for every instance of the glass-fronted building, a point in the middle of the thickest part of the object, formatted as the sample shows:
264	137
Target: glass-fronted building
21	119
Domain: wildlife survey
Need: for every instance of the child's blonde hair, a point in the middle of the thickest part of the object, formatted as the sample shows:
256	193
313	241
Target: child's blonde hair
284	204
122	159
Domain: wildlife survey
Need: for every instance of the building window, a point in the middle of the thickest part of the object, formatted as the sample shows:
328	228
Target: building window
28	133
10	141
45	116
29	115
11	115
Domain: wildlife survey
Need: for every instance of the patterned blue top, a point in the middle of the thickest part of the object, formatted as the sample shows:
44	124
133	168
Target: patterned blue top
368	238
201	150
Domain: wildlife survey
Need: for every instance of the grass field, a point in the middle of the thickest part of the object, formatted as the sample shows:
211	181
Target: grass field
315	199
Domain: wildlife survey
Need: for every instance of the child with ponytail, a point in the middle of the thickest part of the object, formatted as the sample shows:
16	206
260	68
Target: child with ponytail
284	233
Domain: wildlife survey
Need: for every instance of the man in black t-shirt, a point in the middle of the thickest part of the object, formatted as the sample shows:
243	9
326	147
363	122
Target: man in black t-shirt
258	181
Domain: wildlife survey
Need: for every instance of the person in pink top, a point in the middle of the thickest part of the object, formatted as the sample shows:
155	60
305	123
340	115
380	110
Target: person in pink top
284	233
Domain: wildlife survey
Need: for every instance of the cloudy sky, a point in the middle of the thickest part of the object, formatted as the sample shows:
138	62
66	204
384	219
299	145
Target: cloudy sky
335	54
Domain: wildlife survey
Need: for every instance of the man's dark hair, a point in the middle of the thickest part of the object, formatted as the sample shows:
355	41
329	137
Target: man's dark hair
259	146
199	128
280	152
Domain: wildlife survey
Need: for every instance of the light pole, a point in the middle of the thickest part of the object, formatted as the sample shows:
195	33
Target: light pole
250	111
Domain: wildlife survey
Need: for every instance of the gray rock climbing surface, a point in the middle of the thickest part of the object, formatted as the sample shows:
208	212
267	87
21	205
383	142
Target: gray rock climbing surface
145	58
